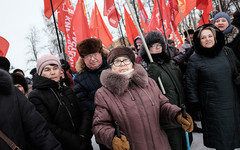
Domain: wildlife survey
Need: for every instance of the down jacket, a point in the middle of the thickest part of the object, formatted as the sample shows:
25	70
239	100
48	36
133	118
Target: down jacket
66	118
137	105
87	81
20	121
210	89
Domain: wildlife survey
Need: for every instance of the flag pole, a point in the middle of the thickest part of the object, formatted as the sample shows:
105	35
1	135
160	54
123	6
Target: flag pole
144	43
162	21
185	26
120	26
55	24
174	35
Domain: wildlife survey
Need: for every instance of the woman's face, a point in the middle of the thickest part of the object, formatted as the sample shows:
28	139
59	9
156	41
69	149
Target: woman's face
156	48
121	64
207	38
221	24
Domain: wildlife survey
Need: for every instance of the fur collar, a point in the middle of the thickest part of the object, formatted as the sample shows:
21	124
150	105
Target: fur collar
229	37
118	83
5	82
80	65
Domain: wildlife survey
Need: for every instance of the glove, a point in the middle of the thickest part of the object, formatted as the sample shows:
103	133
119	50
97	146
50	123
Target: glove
120	143
187	124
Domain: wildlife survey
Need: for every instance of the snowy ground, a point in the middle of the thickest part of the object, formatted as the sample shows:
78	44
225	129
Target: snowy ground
197	143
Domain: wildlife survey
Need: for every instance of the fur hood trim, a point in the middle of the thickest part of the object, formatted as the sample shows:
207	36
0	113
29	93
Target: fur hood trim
6	83
118	83
80	66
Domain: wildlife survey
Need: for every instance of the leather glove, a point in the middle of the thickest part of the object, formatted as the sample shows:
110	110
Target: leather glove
120	143
187	124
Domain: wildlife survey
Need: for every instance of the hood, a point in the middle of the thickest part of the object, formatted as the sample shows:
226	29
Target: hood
41	82
6	83
208	52
151	38
118	83
80	66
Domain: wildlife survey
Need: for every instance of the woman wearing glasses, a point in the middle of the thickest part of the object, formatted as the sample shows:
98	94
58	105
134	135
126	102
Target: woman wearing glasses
128	96
171	78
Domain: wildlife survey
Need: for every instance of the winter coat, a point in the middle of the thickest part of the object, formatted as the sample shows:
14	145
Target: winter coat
20	121
137	105
232	40
86	82
210	89
171	78
66	117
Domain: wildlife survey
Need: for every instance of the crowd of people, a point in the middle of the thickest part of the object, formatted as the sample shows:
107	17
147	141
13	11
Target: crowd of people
129	98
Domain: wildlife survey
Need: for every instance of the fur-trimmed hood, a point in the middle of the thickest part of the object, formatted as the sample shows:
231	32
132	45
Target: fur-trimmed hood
6	83
151	38
118	83
80	65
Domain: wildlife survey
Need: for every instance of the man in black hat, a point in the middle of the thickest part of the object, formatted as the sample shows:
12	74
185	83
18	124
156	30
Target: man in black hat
187	40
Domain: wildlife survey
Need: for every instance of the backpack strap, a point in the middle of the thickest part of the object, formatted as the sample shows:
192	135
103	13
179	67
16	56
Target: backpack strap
10	143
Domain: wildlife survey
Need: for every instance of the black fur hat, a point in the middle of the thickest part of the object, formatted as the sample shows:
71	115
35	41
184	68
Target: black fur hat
19	79
4	63
89	46
151	38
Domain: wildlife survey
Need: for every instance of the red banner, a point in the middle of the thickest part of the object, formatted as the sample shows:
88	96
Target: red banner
4	46
155	22
207	7
48	9
143	16
111	12
98	28
131	29
80	23
65	14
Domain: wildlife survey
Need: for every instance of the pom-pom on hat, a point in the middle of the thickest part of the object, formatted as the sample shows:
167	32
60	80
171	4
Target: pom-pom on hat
222	15
89	46
45	60
120	51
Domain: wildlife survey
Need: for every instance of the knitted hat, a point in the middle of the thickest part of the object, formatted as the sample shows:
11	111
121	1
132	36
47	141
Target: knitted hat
120	51
47	60
222	15
4	63
89	46
18	70
19	79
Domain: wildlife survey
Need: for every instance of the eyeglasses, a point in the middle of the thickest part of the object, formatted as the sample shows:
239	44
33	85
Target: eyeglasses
90	56
117	63
156	45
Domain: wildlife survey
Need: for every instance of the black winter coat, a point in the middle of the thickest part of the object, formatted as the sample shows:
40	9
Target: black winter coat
210	88
66	117
86	84
20	121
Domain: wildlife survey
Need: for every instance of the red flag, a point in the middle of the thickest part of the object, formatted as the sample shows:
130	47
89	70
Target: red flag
65	14
98	28
207	7
131	29
79	22
155	22
186	6
48	9
111	12
143	16
4	46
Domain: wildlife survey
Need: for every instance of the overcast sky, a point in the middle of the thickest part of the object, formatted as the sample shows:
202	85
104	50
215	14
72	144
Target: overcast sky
17	17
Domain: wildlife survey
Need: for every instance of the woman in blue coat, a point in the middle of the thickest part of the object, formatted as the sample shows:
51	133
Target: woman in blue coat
210	88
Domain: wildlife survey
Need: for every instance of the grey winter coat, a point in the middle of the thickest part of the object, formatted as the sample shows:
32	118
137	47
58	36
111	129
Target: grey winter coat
138	105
